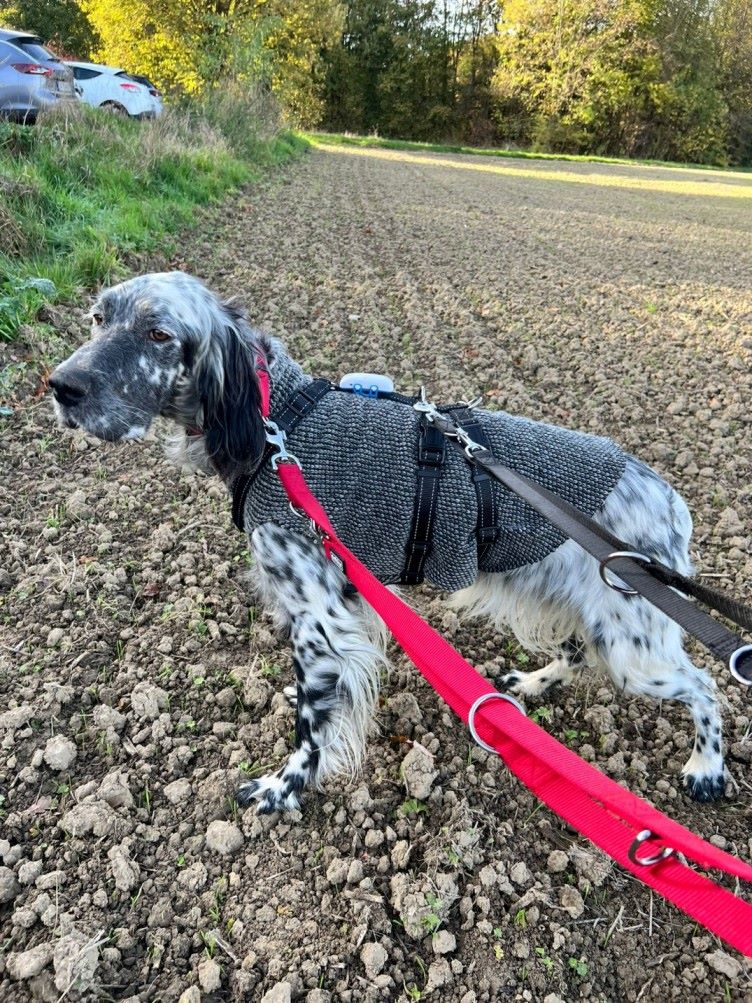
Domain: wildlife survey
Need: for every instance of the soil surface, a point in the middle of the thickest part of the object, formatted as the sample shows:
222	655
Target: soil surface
138	688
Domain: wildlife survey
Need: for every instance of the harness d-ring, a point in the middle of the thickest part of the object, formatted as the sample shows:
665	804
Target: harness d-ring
640	838
603	568
473	710
735	664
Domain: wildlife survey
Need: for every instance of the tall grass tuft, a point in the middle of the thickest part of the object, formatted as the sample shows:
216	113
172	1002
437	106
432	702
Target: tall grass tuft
84	188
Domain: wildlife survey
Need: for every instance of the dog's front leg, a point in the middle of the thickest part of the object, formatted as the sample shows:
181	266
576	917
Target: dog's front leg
337	653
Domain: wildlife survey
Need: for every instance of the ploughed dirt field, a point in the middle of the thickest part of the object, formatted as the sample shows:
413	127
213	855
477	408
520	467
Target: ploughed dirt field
138	686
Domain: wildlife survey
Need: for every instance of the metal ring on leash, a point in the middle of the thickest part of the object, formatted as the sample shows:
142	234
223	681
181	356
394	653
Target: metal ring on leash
473	710
746	649
640	838
603	568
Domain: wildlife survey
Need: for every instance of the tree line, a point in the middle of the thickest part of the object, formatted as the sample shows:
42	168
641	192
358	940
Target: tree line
661	79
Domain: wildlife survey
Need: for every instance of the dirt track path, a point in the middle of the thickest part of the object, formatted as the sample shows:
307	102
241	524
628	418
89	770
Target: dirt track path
608	298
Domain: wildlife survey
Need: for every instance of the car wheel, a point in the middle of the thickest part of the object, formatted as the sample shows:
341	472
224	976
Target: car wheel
114	107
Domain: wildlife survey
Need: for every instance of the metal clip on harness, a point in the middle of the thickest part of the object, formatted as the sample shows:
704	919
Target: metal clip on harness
276	438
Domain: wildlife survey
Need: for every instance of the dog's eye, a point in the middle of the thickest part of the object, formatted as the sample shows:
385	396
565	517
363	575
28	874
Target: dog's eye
157	335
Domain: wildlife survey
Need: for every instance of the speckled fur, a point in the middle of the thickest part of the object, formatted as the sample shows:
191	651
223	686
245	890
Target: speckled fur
201	376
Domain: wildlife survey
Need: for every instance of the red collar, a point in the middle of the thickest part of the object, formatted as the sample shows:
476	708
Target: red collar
262	373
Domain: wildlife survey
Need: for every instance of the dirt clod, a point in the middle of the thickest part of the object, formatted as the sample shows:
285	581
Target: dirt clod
60	753
27	964
224	837
601	297
418	772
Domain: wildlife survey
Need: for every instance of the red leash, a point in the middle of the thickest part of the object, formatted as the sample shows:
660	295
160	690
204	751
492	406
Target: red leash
610	816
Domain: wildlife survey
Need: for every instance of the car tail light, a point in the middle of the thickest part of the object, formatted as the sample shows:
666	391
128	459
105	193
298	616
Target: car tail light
130	87
34	68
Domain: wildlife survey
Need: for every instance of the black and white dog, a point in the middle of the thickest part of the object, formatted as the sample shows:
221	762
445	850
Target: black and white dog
164	344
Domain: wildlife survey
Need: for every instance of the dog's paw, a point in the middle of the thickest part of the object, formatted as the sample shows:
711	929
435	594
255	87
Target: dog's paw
291	695
704	788
272	792
512	682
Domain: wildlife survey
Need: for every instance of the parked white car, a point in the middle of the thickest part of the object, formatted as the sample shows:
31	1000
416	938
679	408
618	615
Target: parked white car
113	88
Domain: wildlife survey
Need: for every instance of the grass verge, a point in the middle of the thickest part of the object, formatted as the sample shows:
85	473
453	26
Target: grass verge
343	139
84	189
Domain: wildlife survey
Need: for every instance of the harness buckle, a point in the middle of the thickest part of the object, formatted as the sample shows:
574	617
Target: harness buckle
277	438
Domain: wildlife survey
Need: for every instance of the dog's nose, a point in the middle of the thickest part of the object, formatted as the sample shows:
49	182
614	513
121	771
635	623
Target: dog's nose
69	388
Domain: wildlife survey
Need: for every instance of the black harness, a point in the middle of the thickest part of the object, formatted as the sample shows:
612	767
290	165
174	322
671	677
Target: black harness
430	458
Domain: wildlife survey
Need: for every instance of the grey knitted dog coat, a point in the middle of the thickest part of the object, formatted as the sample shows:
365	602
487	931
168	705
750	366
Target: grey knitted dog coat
359	457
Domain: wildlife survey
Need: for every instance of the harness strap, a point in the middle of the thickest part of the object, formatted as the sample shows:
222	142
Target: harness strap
487	530
431	456
293	412
609	815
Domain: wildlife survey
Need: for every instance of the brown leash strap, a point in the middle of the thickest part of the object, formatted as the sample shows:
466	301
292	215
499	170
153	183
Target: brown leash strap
650	579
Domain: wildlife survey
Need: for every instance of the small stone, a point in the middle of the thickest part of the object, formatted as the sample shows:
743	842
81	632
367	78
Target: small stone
724	964
557	861
400	854
75	958
147	701
60	753
487	876
337	871
29	871
191	995
439	974
224	837
318	996
115	791
571	900
55	636
209	975
520	874
355	872
444	942
374	957
178	791
75	504
418	772
125	871
552	998
95	816
360	799
9	887
27	964
729	523
52	879
280	993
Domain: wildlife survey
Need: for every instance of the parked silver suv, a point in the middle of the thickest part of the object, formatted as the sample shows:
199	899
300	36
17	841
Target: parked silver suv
31	78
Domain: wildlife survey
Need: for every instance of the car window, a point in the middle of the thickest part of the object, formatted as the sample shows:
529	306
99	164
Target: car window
7	54
33	47
82	73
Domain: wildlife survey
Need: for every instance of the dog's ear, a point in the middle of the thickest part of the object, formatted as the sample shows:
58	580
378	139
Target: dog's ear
228	388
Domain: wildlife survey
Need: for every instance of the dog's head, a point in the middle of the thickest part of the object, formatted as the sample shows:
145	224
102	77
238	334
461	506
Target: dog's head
165	344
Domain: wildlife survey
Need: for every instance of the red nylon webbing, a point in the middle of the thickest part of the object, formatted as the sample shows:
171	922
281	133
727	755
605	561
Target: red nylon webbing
608	814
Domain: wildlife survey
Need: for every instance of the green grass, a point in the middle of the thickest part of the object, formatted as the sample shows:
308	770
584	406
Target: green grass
340	139
80	192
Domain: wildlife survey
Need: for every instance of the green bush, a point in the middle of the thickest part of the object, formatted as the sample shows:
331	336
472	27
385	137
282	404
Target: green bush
84	188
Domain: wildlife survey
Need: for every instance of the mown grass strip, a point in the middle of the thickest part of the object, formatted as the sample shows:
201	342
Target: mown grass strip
342	139
667	185
80	192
